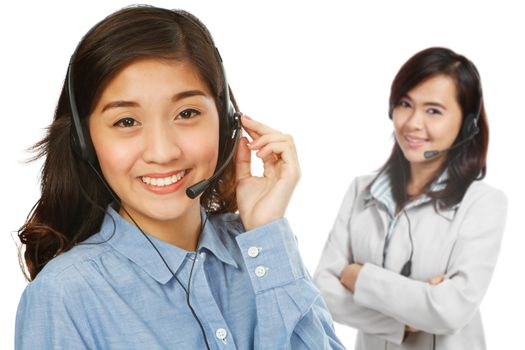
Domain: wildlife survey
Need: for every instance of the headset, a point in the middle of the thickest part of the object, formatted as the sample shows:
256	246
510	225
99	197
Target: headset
230	126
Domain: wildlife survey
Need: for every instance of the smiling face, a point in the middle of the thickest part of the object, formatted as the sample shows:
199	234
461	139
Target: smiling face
428	118
155	130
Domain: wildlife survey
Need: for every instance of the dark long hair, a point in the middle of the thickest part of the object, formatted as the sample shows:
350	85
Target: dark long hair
73	201
464	164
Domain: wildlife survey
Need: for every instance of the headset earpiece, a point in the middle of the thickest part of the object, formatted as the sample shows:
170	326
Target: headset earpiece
470	126
80	138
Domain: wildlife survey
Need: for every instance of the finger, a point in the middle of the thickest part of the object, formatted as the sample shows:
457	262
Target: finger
254	135
272	153
251	125
243	160
269	138
283	150
436	280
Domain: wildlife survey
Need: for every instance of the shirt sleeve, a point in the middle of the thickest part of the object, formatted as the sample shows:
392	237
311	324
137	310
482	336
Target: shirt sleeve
44	320
450	305
290	311
336	255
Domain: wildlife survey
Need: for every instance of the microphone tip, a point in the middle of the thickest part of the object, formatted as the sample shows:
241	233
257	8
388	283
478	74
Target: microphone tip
195	190
430	154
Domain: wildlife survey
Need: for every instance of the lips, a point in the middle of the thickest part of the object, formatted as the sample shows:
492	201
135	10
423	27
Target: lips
164	183
414	141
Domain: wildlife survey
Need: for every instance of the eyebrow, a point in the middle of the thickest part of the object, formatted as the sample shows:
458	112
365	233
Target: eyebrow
427	104
175	98
435	104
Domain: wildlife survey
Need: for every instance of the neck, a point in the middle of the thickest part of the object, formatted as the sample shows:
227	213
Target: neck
183	232
421	174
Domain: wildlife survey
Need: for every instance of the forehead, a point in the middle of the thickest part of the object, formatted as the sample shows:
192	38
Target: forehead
438	87
154	76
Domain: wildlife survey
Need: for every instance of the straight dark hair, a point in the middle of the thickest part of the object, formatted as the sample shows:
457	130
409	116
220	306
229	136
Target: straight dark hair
464	164
73	200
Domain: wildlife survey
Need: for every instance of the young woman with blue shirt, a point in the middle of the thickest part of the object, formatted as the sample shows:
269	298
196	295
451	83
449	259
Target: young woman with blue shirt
118	254
413	248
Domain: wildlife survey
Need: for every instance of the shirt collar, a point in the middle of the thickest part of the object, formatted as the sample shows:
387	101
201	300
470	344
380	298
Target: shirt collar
381	191
211	240
127	239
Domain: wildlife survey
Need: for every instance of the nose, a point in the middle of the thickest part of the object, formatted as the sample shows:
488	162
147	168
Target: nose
415	120
160	145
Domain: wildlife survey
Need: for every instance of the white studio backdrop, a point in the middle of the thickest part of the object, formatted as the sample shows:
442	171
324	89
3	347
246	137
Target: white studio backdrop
319	70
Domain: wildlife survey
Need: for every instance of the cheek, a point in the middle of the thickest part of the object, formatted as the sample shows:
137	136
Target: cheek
446	131
202	145
398	121
116	158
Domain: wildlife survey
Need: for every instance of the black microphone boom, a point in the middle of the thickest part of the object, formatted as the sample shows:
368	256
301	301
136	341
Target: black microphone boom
201	186
433	153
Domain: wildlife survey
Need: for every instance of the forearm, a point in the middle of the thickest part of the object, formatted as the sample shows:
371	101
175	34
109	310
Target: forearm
346	311
439	309
288	303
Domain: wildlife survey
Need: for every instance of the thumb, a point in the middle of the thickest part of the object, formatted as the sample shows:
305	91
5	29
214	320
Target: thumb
243	160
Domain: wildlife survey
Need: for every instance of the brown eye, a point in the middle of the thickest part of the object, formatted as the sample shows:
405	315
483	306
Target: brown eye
433	111
187	114
403	104
126	122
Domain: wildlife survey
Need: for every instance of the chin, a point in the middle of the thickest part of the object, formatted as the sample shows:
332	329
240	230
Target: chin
161	210
171	211
414	156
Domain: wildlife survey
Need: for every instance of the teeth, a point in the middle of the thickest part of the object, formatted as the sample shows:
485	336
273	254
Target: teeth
166	181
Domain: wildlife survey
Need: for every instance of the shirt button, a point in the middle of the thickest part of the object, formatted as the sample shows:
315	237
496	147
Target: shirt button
260	271
221	333
253	252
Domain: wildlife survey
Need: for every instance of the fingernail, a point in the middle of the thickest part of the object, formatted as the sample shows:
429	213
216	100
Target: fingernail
245	116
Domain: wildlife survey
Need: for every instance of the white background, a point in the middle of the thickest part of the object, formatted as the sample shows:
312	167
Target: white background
318	70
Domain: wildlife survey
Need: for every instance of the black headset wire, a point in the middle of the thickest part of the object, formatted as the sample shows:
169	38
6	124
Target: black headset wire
407	268
186	291
408	265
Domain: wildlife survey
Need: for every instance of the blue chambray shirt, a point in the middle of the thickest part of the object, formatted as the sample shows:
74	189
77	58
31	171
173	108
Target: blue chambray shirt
249	289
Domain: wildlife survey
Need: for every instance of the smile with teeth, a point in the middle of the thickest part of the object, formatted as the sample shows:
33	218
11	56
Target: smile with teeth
163	181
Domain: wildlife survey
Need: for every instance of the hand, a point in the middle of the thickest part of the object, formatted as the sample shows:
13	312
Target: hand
409	329
262	200
348	276
436	280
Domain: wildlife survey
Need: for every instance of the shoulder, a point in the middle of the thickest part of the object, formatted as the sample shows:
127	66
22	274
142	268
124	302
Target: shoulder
361	183
65	270
481	193
359	188
482	205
